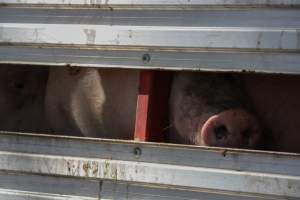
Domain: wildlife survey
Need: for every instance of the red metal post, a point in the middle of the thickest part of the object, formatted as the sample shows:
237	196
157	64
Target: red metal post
142	124
152	106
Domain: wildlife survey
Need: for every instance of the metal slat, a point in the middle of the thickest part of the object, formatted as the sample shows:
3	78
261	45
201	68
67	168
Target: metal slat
185	37
164	154
158	2
271	62
272	18
37	187
199	35
160	174
115	191
17	186
242	173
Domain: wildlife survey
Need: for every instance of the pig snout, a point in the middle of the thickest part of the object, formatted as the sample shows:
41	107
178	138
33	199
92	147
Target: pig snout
235	128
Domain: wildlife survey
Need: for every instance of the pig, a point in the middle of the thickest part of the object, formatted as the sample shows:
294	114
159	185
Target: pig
92	102
211	109
276	100
22	91
205	109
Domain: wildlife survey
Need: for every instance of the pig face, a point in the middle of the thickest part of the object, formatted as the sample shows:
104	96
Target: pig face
211	110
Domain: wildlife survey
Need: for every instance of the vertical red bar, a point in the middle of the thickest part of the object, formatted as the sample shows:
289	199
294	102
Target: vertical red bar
142	123
152	106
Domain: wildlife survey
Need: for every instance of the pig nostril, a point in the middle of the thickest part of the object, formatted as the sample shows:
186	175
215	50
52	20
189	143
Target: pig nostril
221	132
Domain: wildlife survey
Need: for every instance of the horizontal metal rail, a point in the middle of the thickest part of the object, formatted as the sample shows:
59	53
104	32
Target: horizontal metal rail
213	170
166	59
190	35
158	2
41	187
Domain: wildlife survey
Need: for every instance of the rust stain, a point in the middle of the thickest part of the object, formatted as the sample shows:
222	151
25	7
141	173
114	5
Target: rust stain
72	168
106	169
90	168
86	168
110	171
115	174
95	168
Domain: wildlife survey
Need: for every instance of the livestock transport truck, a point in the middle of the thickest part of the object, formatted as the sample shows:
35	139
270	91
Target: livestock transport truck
153	36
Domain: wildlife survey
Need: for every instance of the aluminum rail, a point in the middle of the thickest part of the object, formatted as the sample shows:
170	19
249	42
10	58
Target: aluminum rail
160	2
217	35
57	167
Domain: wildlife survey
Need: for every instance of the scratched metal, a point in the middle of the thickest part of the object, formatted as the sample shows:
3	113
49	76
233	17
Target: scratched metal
272	18
156	36
36	187
240	172
158	2
228	38
267	62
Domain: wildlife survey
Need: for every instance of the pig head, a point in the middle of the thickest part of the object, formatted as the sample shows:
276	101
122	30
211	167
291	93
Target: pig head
211	110
205	109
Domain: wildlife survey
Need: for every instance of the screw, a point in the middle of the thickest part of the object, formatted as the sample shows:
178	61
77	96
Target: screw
146	58
137	152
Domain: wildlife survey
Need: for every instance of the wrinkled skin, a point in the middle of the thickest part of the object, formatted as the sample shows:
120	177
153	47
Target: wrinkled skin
22	90
211	110
92	102
276	99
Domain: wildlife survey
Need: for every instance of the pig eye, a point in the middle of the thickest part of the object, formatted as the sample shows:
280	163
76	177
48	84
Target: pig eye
221	132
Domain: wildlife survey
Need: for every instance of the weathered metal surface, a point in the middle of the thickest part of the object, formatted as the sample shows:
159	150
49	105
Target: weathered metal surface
193	17
214	35
37	187
239	172
15	186
192	37
270	62
159	2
